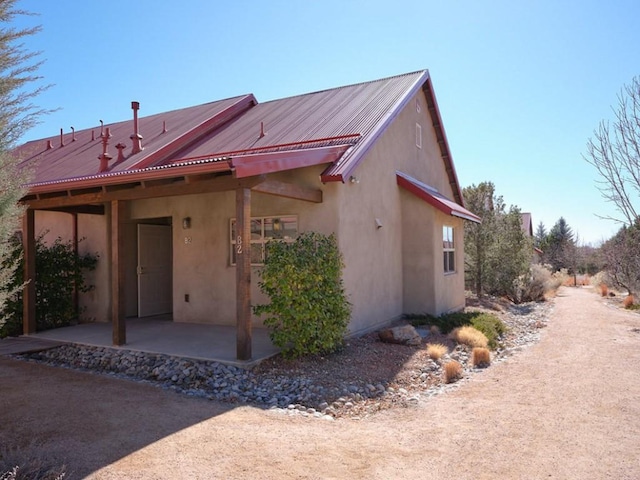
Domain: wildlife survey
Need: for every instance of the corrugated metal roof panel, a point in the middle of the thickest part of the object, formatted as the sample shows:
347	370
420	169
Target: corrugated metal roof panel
80	158
352	116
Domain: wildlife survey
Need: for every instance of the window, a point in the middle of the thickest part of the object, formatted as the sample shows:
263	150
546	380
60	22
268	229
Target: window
418	135
448	248
262	230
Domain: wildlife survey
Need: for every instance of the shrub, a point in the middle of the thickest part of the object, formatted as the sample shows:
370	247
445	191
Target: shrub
480	357
308	311
28	463
436	350
536	283
470	336
58	271
628	302
490	325
452	371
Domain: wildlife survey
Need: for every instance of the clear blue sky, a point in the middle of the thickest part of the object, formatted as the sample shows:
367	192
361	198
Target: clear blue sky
521	85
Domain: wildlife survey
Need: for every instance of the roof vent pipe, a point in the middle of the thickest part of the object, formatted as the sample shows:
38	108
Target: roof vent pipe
101	129
73	134
93	135
49	144
135	137
104	157
164	126
61	139
262	129
120	147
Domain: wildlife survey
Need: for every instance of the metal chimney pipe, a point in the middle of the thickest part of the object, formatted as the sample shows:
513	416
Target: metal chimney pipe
105	157
136	137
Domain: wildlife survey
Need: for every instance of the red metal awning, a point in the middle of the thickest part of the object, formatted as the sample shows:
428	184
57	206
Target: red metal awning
434	198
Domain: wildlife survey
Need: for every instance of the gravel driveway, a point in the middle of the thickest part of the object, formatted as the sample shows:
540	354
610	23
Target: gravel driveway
565	408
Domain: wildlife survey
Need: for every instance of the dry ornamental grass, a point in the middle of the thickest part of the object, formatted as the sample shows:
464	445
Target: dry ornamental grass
470	336
480	357
436	351
452	371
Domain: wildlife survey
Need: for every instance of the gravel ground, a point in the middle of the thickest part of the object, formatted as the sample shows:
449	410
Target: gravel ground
365	377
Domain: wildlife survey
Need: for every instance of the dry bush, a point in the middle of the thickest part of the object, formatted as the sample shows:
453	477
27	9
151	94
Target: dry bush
480	357
538	284
452	371
604	290
436	350
569	282
434	330
470	336
628	301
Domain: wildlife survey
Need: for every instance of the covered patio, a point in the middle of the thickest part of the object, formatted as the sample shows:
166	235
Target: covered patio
161	335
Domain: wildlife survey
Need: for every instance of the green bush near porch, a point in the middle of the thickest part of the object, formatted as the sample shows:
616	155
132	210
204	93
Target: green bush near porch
58	271
308	311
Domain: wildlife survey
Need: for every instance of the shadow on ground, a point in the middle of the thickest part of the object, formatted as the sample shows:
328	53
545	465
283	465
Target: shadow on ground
89	421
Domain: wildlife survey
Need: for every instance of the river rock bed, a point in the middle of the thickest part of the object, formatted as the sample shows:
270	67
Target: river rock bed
364	377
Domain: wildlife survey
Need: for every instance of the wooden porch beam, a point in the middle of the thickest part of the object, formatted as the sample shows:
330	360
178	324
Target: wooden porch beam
219	184
243	274
289	190
118	215
29	291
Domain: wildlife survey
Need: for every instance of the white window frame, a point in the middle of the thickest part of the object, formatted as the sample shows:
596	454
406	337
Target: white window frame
448	249
258	238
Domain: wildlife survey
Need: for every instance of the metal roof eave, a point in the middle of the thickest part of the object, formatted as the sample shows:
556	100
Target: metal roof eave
434	198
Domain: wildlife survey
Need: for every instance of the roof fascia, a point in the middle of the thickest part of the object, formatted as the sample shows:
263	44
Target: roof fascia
262	163
361	149
128	176
411	185
443	143
166	151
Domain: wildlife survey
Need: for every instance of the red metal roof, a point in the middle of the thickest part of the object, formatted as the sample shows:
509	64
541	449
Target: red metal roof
334	127
434	198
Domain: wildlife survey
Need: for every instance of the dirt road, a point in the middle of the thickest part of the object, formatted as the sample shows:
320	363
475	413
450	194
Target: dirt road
566	408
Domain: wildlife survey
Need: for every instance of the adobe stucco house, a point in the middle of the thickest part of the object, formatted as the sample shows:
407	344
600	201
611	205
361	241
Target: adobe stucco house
179	204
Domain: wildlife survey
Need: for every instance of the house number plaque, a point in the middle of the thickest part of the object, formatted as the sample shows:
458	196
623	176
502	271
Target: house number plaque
239	244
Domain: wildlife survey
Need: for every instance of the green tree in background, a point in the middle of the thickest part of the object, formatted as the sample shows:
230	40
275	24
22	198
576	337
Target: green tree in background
560	247
17	114
497	251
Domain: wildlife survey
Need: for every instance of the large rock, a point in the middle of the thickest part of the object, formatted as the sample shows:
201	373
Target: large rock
403	335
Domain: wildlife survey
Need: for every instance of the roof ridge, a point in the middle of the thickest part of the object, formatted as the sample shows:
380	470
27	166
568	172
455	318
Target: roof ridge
367	82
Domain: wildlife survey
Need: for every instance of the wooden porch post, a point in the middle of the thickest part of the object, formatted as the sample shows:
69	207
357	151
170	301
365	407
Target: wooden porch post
118	213
243	274
29	291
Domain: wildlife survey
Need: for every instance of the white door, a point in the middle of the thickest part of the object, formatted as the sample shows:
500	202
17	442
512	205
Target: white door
154	270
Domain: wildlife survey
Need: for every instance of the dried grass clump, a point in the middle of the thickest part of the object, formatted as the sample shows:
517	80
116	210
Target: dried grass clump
434	330
436	350
628	301
604	290
470	336
452	371
480	357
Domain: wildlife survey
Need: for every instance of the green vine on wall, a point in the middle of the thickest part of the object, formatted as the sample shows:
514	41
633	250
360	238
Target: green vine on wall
308	311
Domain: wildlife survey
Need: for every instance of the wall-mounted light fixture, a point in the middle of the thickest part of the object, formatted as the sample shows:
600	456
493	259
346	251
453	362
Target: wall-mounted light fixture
186	223
354	179
378	223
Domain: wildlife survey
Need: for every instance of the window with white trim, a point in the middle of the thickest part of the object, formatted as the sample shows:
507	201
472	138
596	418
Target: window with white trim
448	248
264	229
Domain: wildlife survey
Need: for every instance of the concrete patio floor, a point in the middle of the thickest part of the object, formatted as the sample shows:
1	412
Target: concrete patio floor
162	335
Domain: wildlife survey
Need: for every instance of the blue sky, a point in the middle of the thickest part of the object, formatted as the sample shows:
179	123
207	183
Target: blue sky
521	85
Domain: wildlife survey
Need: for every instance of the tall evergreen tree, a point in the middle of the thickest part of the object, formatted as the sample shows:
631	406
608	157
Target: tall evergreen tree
17	114
561	246
497	251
